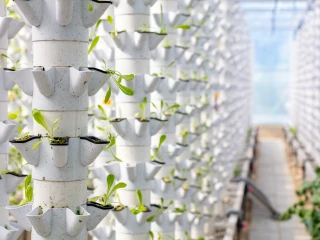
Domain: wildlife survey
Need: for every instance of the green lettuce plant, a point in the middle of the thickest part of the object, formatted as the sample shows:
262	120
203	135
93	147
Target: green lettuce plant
38	117
15	64
165	109
141	207
160	210
143	110
156	154
308	206
106	199
163	71
112	142
163	27
22	136
117	77
28	191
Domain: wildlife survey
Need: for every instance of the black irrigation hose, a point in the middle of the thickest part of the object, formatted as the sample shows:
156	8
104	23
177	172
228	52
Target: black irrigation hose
260	196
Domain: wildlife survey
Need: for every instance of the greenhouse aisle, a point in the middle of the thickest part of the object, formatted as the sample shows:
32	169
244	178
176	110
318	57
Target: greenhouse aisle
274	179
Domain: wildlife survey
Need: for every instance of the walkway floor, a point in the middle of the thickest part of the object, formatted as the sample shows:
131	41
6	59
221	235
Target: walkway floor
274	179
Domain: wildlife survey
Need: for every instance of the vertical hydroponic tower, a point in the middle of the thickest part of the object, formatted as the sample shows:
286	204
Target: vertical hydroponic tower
8	181
132	56
167	17
60	85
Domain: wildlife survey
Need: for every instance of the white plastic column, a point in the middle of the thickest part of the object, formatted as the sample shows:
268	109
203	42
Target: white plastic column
132	56
60	85
9	27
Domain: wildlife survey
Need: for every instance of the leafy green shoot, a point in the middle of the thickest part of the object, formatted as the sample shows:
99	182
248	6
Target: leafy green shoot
145	28
165	109
15	64
90	7
105	199
38	117
117	77
160	210
143	109
156	154
181	210
293	130
141	207
21	135
163	27
112	140
184	134
28	191
163	71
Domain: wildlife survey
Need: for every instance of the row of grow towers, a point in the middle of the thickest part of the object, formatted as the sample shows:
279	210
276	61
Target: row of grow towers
152	94
304	105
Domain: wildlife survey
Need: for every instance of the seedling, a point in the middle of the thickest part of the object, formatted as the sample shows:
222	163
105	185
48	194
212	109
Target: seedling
90	7
165	109
181	210
184	76
293	130
209	162
160	210
307	208
141	208
163	72
236	172
114	75
22	136
156	154
114	33
166	43
38	117
144	28
105	199
112	141
106	130
195	76
17	170
199	172
79	213
163	27
15	64
103	115
204	78
174	178
143	109
28	191
16	158
184	134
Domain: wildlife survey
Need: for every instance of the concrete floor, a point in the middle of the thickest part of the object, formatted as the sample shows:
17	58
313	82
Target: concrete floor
273	178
